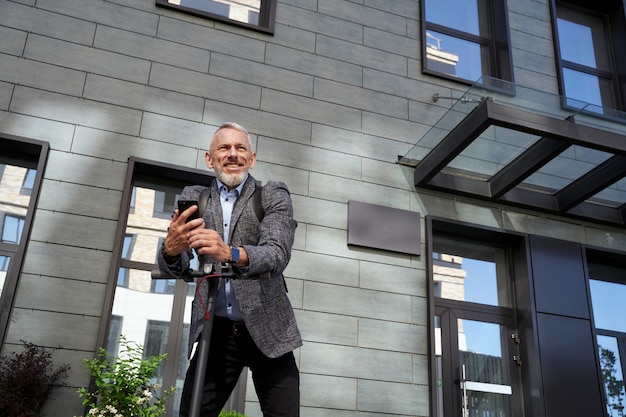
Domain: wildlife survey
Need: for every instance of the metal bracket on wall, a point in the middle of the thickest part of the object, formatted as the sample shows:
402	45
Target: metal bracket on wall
464	99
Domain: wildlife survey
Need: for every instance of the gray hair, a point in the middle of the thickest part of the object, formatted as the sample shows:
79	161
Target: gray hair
232	125
229	125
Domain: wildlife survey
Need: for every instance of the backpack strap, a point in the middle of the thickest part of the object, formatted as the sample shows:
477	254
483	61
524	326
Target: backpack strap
258	201
203	198
260	212
203	201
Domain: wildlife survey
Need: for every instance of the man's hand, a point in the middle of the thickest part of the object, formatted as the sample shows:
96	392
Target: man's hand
177	240
209	242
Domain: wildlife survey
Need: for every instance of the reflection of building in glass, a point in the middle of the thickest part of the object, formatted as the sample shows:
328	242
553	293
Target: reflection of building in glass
438	59
147	231
246	11
449	277
138	297
15	187
14	199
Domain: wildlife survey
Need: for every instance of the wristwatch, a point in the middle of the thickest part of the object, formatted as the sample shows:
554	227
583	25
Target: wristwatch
234	255
168	258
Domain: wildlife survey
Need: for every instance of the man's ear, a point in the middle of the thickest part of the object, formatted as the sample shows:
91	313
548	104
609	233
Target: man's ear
253	160
208	160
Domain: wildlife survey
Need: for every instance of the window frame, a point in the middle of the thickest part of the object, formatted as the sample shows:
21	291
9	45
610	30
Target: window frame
32	154
497	42
138	170
267	15
614	18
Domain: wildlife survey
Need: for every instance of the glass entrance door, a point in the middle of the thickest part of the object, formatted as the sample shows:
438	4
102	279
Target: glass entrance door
477	359
477	366
485	381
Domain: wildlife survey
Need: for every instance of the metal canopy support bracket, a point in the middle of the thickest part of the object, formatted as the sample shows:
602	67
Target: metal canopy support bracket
542	152
593	182
457	140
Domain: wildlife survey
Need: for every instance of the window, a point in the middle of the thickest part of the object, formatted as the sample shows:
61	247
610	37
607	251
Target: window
144	310
127	249
115	331
155	342
590	45
251	14
4	267
29	180
4	263
21	171
164	204
468	44
12	228
607	283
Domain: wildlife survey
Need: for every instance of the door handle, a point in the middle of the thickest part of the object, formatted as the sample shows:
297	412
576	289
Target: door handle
464	391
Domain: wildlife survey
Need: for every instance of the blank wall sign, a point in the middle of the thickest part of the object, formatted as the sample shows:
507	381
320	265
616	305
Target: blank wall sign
384	228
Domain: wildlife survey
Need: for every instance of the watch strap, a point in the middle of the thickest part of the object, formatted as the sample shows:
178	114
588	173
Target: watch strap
234	255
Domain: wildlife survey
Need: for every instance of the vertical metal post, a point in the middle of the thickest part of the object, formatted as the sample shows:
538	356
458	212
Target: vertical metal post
203	350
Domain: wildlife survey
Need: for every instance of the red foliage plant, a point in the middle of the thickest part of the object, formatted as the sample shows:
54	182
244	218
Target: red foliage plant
26	380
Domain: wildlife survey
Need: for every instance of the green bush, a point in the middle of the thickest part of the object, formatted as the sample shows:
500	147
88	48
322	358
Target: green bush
230	413
125	384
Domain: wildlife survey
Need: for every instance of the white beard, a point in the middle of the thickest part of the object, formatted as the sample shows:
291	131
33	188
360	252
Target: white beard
233	180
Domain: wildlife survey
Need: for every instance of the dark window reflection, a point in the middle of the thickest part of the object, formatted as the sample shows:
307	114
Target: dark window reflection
156	341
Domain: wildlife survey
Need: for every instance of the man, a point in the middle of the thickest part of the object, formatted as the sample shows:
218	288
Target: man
254	323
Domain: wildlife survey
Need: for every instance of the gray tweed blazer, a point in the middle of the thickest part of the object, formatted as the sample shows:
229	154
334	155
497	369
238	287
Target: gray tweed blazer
264	305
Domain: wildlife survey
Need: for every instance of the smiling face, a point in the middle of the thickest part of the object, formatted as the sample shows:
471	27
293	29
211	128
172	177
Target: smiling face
230	156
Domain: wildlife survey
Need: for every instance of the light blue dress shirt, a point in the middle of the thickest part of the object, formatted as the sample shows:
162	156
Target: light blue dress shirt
225	301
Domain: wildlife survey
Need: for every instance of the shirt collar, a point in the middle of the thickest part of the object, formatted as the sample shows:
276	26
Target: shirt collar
238	188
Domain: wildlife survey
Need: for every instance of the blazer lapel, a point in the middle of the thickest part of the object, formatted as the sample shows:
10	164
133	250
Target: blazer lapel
246	193
214	209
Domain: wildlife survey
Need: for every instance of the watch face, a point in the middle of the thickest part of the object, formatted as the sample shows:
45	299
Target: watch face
234	254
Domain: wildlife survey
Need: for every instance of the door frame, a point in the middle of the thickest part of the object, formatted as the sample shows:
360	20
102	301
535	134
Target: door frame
523	312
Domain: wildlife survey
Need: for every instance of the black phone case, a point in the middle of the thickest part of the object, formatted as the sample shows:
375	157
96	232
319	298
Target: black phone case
184	205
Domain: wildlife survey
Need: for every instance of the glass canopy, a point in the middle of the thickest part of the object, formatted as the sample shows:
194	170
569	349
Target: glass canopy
511	144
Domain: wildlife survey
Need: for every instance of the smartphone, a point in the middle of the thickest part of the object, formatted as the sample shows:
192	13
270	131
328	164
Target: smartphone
184	205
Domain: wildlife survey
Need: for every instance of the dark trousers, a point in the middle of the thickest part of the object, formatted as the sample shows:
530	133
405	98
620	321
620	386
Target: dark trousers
276	381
